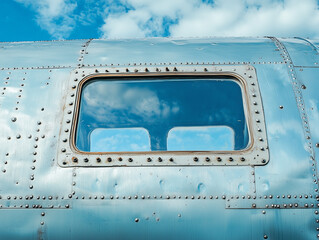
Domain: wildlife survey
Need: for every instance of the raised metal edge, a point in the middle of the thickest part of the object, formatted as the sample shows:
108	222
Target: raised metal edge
256	154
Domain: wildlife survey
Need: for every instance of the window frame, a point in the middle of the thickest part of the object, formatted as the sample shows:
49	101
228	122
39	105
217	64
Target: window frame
256	152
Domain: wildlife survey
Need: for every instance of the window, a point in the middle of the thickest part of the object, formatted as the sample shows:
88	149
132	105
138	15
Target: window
163	116
156	114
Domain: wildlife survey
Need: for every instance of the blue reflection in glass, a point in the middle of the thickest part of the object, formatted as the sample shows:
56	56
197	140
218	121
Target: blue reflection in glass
119	140
160	104
200	139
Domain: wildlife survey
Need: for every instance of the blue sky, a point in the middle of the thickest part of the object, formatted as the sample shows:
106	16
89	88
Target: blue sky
23	20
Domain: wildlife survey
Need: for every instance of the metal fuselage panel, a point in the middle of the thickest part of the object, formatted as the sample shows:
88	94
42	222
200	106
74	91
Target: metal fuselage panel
41	199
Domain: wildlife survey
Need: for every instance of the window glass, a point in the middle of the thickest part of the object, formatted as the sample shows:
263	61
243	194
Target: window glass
200	139
160	105
119	140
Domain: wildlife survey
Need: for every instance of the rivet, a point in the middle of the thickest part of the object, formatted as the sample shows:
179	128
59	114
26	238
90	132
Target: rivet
149	159
136	220
63	150
13	119
317	145
195	159
130	160
281	107
230	159
67	205
109	159
303	86
64	140
74	159
254	205
86	160
207	159
171	160
264	212
160	159
98	159
42	223
219	159
120	159
18	136
242	159
265	236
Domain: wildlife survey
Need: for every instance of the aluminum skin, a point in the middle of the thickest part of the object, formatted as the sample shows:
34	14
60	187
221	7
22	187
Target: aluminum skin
43	198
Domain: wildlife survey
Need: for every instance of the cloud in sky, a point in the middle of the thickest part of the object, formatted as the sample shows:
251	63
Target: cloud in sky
54	16
179	18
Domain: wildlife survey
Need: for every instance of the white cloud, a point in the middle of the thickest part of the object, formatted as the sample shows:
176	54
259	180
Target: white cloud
54	16
179	18
221	18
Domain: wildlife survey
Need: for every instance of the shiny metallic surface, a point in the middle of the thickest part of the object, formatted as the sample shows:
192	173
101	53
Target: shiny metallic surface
45	194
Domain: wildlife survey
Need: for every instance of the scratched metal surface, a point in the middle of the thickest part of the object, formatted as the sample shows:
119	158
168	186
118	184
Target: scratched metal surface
310	78
302	51
315	42
57	54
41	200
166	50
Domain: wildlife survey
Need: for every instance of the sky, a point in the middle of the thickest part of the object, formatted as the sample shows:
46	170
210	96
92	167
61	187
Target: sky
32	20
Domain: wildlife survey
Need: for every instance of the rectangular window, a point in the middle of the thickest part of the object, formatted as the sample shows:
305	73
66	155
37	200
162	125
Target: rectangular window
163	116
134	114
